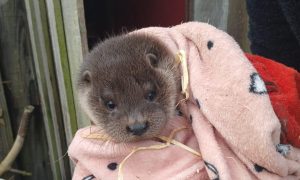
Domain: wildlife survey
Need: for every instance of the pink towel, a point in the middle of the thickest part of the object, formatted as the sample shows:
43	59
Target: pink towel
234	126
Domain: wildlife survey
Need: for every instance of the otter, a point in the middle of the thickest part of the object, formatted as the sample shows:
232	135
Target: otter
129	86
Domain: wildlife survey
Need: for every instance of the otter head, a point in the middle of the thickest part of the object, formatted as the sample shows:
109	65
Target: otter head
129	85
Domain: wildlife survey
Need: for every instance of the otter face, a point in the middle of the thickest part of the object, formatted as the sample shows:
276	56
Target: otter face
129	86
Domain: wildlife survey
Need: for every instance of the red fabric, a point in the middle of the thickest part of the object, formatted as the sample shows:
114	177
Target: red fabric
283	85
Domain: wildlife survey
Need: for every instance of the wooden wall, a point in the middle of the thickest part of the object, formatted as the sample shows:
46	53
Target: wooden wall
41	47
20	89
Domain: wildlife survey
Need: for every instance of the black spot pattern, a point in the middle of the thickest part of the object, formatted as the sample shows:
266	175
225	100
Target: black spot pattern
191	118
213	169
283	149
198	104
255	79
258	168
88	177
210	44
112	166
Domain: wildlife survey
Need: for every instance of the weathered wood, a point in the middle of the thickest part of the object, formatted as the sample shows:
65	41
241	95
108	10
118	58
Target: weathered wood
48	89
82	26
76	47
6	135
18	73
68	55
60	57
189	10
237	25
66	51
214	12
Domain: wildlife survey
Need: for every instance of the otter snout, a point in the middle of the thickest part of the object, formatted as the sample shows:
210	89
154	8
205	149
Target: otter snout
137	124
138	129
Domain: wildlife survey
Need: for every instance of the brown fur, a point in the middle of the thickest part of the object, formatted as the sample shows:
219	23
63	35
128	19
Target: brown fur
124	69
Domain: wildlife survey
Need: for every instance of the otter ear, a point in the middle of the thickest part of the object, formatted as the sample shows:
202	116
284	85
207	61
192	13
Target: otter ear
153	60
86	77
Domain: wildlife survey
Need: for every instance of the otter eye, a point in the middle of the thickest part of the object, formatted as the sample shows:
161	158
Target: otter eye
151	96
110	105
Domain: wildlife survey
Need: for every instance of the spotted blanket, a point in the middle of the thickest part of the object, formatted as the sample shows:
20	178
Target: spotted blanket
230	128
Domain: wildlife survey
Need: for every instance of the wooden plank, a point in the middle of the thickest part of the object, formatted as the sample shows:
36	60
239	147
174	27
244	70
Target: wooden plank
41	45
190	8
60	55
82	26
76	41
18	73
214	12
64	45
38	50
237	25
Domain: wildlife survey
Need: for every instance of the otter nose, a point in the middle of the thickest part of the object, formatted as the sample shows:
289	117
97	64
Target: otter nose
138	128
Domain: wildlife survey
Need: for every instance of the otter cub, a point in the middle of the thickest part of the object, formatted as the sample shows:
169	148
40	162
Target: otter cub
129	86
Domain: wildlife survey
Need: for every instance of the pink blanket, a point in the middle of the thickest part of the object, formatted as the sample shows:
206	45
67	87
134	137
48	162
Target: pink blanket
231	122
